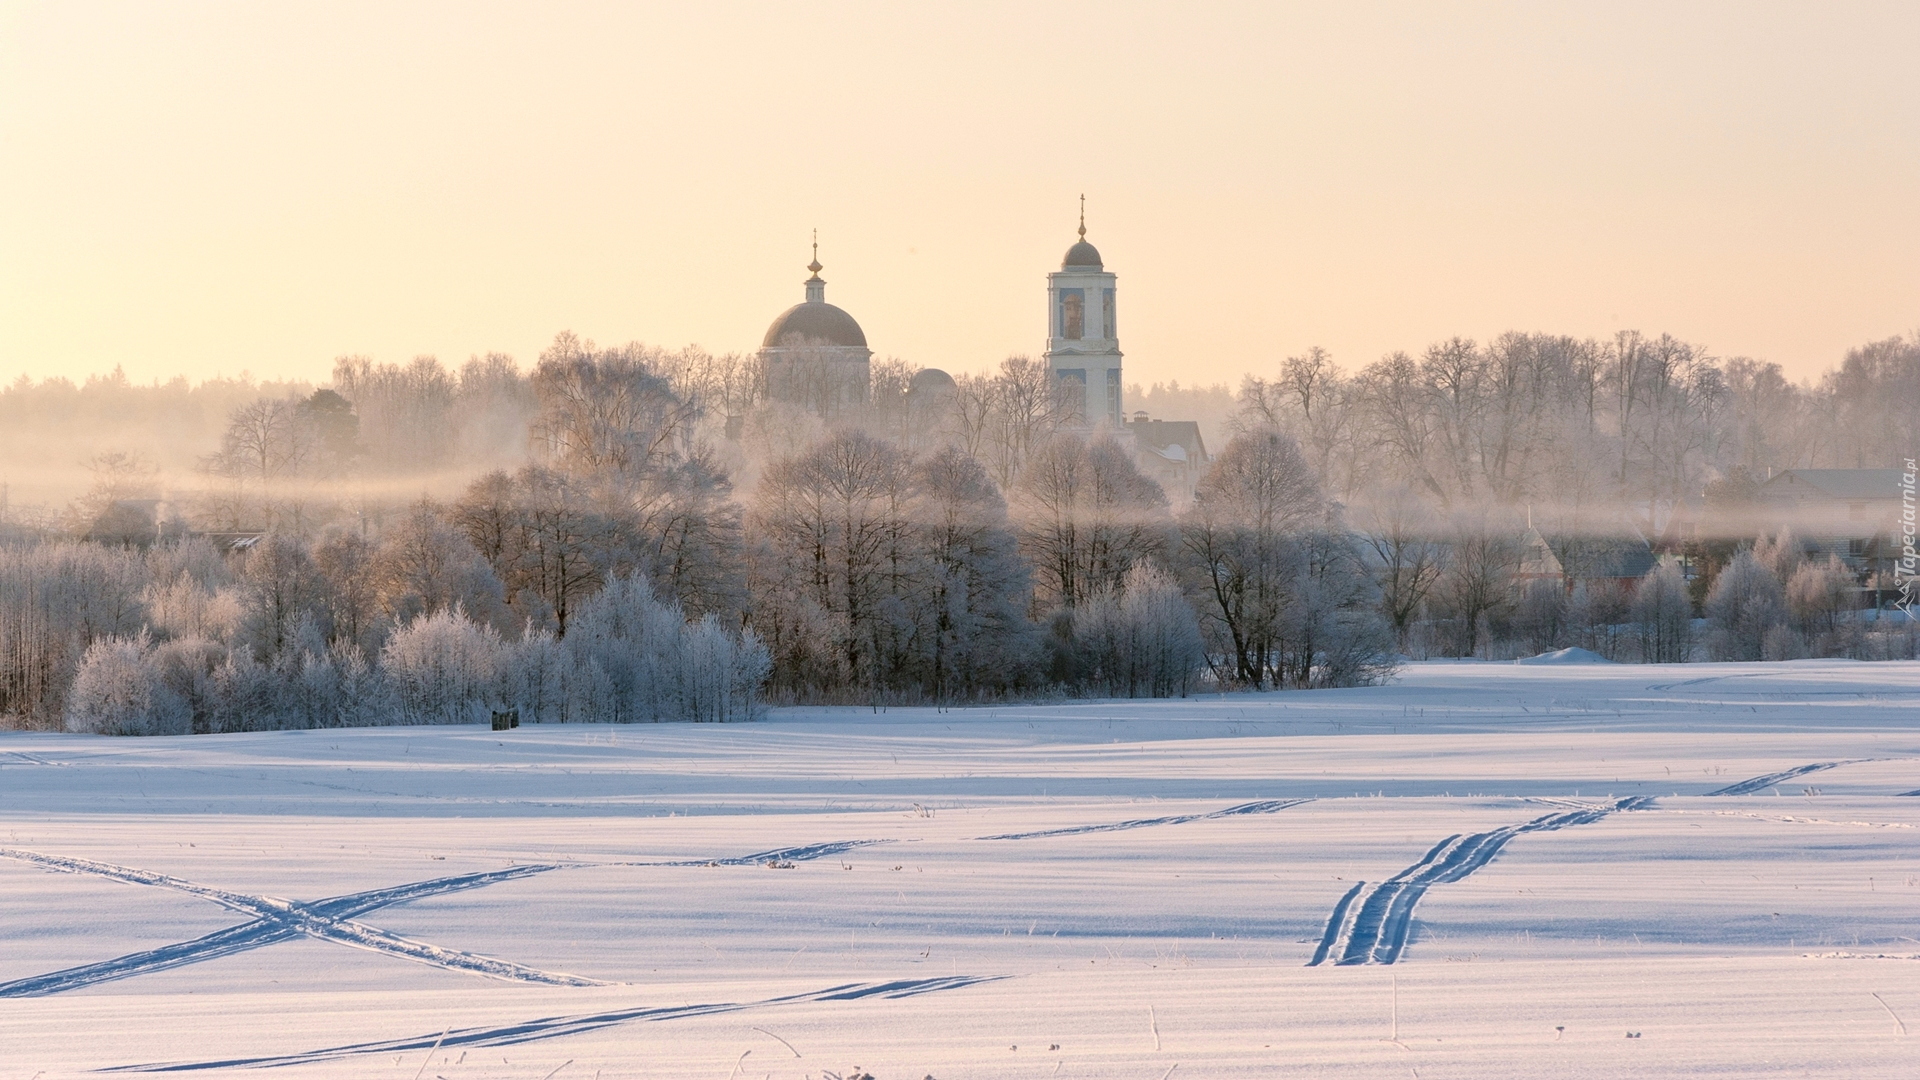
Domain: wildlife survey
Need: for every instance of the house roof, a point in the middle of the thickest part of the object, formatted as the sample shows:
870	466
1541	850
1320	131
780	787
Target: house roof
1836	483
1536	556
1617	559
1162	435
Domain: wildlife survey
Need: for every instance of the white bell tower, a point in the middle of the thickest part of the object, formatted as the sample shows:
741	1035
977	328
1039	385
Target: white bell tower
1083	337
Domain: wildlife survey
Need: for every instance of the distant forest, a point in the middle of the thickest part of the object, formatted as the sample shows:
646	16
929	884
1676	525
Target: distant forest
636	533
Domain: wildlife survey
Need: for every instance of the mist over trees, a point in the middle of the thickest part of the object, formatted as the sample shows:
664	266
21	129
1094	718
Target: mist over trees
639	534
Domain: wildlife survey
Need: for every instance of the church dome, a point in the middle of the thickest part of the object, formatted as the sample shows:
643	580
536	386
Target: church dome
1082	254
930	381
815	322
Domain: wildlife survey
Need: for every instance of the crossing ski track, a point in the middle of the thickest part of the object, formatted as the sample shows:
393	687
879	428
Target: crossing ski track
275	920
555	1027
1373	928
1268	806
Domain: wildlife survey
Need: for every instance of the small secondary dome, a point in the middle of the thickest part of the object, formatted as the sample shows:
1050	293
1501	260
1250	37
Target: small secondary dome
930	381
815	322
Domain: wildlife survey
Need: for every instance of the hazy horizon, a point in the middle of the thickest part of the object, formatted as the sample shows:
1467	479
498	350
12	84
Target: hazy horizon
209	189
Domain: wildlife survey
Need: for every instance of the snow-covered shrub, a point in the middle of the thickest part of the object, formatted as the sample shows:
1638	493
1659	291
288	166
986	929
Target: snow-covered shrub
1818	597
540	677
636	658
622	641
1781	554
1663	616
118	691
56	599
1746	603
1783	642
335	688
443	668
1143	641
247	695
1540	620
184	607
1601	613
187	668
715	676
1356	648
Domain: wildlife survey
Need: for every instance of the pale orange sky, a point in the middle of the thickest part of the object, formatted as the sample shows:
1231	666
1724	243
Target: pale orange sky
195	188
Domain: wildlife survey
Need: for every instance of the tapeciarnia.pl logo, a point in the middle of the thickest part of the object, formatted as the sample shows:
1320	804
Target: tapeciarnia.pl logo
1904	568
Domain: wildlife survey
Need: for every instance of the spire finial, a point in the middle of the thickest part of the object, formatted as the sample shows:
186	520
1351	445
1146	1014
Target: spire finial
815	264
1083	217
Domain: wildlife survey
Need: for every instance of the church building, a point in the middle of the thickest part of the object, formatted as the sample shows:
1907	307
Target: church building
815	355
1083	334
1083	352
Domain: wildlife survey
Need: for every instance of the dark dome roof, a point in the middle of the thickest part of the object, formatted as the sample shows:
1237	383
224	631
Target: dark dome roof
930	380
815	322
1082	254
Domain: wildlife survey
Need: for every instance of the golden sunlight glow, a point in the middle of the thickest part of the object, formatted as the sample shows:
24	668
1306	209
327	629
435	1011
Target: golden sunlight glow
197	188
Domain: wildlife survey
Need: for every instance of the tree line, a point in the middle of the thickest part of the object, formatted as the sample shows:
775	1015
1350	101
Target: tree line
633	533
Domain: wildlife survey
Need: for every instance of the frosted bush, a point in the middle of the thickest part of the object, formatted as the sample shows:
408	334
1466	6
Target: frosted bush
443	668
716	676
1143	642
1818	595
636	658
118	691
186	608
1746	603
1663	616
540	677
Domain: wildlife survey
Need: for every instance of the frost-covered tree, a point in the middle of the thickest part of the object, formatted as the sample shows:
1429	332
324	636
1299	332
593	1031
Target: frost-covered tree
1086	515
542	680
1406	554
969	589
56	599
187	667
1663	615
1540	616
713	675
1818	595
635	658
346	561
834	539
1242	543
1780	553
1140	640
425	565
443	668
285	598
118	691
1477	586
1746	604
1333	634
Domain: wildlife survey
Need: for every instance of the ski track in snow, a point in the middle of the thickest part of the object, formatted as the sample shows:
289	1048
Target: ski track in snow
790	854
1762	783
555	1027
1373	928
1267	807
277	920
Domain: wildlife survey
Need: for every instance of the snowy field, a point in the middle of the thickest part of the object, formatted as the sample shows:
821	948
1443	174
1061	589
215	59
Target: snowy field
1481	870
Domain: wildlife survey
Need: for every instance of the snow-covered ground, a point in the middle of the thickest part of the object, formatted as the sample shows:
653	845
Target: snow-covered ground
1502	869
